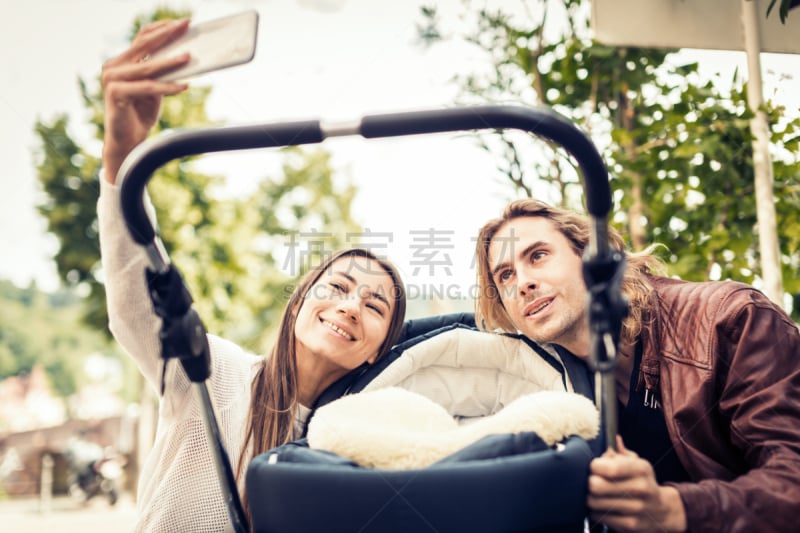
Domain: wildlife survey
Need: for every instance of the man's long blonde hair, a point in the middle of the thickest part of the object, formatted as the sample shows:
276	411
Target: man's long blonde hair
490	314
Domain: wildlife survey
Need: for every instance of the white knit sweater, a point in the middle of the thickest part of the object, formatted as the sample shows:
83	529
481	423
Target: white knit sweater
178	487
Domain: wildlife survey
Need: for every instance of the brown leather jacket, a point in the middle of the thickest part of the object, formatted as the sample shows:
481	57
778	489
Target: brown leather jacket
726	363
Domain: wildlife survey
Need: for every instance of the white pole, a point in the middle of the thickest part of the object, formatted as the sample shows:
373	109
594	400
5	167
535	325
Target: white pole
762	162
46	484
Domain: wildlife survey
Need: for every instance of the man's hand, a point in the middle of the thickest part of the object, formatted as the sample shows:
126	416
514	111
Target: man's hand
624	495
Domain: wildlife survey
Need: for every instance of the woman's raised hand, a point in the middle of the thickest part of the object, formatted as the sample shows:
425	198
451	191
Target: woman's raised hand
132	95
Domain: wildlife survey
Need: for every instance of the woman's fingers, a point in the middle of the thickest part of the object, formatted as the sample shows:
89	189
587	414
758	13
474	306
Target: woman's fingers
147	70
154	26
149	39
149	42
123	93
132	92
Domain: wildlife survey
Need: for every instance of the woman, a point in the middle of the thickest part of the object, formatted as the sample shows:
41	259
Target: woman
344	314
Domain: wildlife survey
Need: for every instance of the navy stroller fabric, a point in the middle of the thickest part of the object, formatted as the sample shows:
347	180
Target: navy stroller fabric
527	487
502	483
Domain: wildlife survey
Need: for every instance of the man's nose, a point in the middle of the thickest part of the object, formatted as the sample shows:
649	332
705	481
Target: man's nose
527	282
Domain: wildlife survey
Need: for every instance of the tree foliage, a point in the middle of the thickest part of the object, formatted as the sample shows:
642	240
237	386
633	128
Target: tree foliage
677	144
230	249
783	10
45	329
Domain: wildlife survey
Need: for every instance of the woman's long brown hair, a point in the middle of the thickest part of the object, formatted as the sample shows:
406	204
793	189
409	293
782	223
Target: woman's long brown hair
274	391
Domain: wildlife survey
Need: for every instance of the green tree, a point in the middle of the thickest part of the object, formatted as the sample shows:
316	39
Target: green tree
45	329
678	149
783	10
228	249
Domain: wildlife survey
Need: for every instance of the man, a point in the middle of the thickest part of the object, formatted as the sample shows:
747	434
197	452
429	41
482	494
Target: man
707	378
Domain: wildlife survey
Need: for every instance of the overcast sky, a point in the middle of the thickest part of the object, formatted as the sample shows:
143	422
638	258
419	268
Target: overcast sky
330	59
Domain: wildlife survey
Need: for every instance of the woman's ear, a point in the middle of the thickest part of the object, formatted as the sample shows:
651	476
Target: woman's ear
371	360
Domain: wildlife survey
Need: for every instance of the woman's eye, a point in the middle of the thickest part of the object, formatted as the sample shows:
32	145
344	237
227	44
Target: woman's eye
535	256
337	287
375	308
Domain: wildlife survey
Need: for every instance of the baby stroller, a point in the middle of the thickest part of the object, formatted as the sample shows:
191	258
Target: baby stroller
294	488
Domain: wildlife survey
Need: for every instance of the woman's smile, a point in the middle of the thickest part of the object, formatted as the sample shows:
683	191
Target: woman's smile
338	330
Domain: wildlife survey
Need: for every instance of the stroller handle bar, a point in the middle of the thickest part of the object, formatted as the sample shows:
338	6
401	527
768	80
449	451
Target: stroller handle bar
156	151
599	260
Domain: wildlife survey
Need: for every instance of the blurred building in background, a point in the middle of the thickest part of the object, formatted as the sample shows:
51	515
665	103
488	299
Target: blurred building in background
36	425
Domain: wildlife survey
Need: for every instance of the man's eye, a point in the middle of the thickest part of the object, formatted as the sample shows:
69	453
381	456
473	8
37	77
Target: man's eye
535	256
504	276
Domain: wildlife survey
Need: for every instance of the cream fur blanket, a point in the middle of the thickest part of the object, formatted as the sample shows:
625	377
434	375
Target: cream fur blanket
394	428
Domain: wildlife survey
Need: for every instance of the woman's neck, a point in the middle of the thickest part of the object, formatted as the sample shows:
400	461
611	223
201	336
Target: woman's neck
313	377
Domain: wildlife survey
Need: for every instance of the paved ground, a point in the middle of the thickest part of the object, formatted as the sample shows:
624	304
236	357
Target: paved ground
66	516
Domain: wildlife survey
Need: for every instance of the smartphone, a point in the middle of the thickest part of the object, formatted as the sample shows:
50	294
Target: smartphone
214	45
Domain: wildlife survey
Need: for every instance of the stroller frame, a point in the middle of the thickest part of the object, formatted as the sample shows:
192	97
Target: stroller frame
183	334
